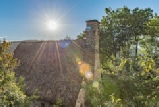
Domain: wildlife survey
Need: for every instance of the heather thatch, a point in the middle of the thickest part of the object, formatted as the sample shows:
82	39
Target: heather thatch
52	70
14	45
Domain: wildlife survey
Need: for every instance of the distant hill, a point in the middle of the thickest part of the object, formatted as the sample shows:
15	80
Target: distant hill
14	45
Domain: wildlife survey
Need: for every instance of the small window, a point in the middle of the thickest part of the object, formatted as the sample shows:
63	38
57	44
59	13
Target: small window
42	104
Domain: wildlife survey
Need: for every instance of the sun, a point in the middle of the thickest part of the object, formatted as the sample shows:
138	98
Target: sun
52	25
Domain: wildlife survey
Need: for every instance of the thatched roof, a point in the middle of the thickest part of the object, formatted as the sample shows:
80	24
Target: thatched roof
52	69
14	45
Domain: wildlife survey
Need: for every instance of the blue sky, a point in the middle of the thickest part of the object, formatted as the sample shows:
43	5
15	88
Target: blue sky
26	19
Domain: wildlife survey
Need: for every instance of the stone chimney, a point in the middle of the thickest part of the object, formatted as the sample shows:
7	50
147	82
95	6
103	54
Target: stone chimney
92	42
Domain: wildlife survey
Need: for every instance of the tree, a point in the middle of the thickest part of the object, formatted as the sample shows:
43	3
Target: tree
104	93
10	91
81	35
152	38
129	82
122	28
136	78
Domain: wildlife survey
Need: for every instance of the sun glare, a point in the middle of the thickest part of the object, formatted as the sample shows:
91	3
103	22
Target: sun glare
52	25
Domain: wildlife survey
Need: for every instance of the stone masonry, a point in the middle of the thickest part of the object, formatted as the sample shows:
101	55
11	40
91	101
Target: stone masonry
92	42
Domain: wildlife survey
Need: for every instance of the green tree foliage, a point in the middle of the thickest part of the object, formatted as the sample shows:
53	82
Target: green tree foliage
122	28
127	82
10	91
138	81
134	77
104	95
58	103
11	88
81	35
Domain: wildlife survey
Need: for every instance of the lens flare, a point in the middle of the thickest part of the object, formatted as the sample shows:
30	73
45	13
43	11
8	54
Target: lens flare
89	75
83	68
64	43
78	59
96	84
79	63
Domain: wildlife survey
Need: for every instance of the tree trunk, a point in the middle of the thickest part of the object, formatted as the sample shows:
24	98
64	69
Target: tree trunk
136	50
